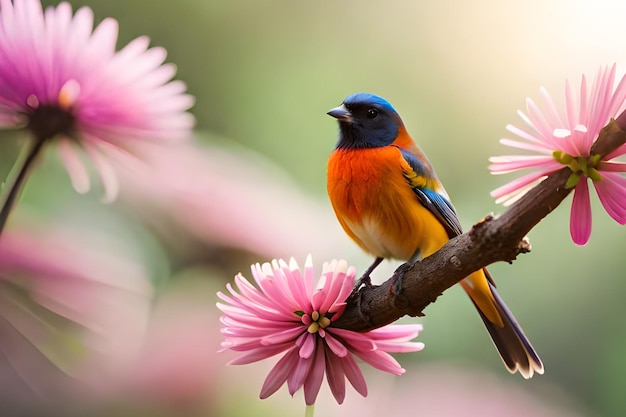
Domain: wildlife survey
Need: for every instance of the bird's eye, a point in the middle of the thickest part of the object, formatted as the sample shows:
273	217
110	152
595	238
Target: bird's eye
371	113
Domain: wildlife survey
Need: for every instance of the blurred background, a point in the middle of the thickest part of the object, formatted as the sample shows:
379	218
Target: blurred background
140	275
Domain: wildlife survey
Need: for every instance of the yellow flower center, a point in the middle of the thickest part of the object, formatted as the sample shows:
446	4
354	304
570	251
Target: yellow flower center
318	321
579	165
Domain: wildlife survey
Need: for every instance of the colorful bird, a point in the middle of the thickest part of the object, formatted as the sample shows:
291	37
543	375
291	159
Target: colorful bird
388	199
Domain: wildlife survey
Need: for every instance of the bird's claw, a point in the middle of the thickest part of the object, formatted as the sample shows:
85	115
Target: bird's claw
398	278
364	281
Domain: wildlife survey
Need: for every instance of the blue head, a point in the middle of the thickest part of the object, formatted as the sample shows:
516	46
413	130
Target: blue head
366	121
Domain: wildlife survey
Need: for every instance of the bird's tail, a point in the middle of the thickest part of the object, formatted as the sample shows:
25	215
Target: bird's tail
515	350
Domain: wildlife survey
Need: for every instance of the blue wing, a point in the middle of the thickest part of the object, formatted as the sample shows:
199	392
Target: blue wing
436	203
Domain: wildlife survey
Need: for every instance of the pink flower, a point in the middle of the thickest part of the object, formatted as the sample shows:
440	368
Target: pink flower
285	314
186	213
176	368
565	138
63	303
61	78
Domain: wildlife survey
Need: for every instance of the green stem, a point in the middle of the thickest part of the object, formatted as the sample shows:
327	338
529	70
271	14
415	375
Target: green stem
19	181
310	410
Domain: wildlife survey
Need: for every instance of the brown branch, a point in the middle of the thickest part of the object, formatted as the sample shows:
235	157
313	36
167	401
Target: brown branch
613	134
493	239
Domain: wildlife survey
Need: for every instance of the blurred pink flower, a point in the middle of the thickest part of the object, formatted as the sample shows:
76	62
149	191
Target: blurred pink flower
61	78
199	193
285	314
564	138
176	368
62	303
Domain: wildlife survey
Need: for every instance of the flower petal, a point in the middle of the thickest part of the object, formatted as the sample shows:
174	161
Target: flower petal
381	360
105	171
580	218
336	377
335	345
299	373
504	192
506	164
354	375
313	382
74	166
279	373
309	341
611	191
257	355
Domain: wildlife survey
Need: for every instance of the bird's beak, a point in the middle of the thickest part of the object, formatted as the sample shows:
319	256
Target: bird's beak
341	113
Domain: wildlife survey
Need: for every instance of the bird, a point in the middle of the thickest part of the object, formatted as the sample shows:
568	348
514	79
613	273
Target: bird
389	200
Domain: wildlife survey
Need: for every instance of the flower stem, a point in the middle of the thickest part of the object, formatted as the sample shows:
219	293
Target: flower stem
19	181
310	410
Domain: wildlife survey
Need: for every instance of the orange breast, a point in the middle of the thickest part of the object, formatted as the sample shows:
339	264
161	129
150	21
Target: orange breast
376	206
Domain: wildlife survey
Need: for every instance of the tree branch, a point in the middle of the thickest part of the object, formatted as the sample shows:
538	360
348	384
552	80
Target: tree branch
493	239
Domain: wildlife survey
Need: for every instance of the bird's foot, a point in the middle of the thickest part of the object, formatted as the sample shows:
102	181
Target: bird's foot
362	285
398	278
364	281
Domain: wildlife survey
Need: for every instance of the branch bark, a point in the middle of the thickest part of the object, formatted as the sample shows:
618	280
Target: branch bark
493	239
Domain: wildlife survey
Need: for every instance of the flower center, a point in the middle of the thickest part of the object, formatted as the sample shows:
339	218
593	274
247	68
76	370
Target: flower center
49	120
579	165
46	121
317	322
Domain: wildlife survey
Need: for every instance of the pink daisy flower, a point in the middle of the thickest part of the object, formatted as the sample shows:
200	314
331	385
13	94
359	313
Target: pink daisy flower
285	313
564	139
64	304
62	79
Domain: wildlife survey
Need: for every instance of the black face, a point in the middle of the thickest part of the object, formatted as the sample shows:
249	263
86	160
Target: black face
366	122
